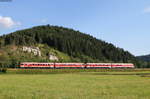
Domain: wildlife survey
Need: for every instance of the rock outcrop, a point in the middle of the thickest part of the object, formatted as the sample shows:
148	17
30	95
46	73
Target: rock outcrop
53	57
35	50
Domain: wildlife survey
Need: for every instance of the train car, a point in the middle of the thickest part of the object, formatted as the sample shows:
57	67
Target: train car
75	65
69	65
36	65
98	65
122	65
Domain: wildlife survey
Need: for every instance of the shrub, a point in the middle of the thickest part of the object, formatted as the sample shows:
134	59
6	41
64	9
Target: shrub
3	70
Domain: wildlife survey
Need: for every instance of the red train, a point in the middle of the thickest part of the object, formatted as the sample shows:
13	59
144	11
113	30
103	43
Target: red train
75	65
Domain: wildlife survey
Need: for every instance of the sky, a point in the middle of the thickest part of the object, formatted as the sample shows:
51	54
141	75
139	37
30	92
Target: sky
124	23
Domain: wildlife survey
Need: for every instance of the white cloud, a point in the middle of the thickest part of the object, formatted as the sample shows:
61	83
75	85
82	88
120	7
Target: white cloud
147	10
8	22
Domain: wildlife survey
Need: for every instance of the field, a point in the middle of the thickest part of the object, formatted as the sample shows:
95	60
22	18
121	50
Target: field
75	85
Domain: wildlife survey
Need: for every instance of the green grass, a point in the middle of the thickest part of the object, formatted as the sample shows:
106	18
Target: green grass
83	85
100	71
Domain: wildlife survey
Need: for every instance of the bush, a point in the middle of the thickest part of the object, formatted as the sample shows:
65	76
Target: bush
3	70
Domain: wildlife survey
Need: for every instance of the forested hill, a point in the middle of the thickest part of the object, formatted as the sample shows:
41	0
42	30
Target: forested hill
75	44
144	58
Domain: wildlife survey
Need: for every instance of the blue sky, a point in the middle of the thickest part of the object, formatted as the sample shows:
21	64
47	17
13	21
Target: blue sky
125	23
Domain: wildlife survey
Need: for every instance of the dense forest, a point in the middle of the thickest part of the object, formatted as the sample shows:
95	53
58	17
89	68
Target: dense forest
144	58
73	43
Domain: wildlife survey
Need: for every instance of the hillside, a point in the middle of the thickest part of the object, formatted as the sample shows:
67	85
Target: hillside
12	54
144	58
76	46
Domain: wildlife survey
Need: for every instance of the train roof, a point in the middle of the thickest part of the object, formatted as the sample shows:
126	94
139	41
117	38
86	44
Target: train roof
68	63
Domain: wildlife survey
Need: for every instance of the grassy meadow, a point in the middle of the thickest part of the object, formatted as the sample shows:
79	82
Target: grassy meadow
77	85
